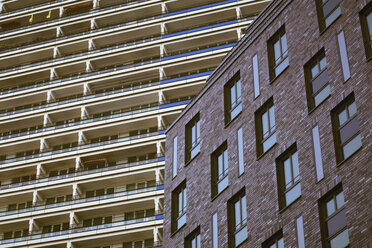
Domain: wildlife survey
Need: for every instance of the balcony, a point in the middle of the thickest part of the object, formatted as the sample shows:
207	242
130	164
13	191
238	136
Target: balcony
119	67
69	202
95	117
84	171
70	232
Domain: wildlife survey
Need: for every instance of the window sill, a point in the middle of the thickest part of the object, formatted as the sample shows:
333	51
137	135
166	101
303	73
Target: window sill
188	162
227	124
216	196
286	207
352	155
263	154
313	109
176	231
273	79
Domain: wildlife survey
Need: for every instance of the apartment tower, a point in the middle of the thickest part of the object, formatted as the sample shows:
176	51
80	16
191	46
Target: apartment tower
87	88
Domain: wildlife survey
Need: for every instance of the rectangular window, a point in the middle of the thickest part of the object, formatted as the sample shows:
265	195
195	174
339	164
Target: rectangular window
265	127
333	219
328	12
317	81
300	232
233	98
220	169
256	76
240	151
289	185
193	239
175	156
278	53
179	201
317	154
343	55
215	230
275	241
237	219
346	129
366	23
192	138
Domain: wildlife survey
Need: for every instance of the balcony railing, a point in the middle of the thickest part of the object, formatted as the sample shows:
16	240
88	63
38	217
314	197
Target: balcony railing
49	152
91	118
42	22
157	186
117	67
83	53
83	172
157	216
89	31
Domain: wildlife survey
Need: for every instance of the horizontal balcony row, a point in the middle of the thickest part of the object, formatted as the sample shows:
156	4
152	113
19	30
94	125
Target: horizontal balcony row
89	52
69	233
86	169
117	68
101	116
86	10
83	34
37	153
99	196
164	57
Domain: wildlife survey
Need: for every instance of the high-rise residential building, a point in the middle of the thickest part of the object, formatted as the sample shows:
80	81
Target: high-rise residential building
275	151
87	88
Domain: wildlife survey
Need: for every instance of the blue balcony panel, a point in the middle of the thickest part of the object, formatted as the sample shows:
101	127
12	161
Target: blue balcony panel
174	104
200	28
185	77
198	51
159	217
197	8
161	159
159	187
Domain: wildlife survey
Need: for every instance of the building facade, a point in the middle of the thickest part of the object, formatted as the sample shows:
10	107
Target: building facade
275	151
87	88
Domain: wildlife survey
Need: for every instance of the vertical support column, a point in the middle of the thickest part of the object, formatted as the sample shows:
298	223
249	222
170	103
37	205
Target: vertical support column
91	45
61	11
50	96
162	51
40	171
76	191
162	75
93	24
1	6
95	4
30	226
161	97
46	120
238	13
84	113
43	144
163	29
59	32
77	164
53	74
161	124
88	66
82	139
86	89
35	198
73	220
156	239
163	8
239	33
56	52
70	245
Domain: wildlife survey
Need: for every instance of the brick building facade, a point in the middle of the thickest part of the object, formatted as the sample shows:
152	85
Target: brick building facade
275	151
